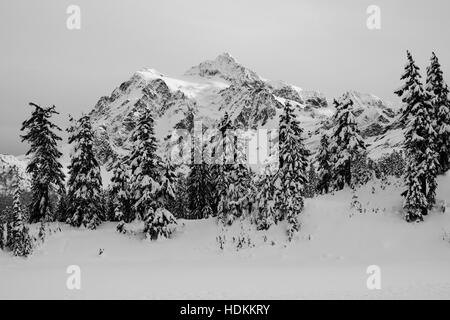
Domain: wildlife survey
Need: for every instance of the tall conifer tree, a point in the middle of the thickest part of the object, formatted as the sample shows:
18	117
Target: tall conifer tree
85	182
44	167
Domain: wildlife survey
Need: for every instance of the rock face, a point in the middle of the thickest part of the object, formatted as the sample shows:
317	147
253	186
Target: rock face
225	67
374	116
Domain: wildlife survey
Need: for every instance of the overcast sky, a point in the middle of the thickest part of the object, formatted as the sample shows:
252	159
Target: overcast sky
315	44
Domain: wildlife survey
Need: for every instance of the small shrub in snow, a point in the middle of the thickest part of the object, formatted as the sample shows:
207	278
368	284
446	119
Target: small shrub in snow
446	236
42	232
356	205
121	227
243	240
160	224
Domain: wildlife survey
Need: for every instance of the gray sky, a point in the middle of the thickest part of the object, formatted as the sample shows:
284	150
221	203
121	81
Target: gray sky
315	44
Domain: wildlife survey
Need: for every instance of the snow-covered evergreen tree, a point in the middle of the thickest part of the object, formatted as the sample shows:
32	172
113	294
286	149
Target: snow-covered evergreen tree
200	190
416	202
411	77
311	185
420	140
291	177
145	167
325	172
62	206
3	231
200	183
166	194
438	93
238	191
85	182
240	187
223	157
20	241
6	218
44	167
120	192
346	142
161	224
265	201
232	175
393	164
361	171
181	204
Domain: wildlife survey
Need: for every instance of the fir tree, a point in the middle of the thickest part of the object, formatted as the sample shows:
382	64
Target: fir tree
200	188
240	186
291	176
120	192
239	189
200	184
346	142
325	166
416	203
145	167
411	77
223	157
3	231
233	177
62	207
181	204
393	164
20	242
438	92
361	171
419	144
85	182
265	201
160	224
6	217
166	194
44	168
311	185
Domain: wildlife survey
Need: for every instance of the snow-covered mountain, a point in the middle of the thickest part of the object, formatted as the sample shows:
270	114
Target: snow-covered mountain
206	91
10	168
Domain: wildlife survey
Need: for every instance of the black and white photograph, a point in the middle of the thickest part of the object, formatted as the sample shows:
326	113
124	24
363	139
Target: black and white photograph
205	150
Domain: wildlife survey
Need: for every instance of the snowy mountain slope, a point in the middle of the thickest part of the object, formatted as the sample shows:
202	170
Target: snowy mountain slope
205	92
10	166
329	260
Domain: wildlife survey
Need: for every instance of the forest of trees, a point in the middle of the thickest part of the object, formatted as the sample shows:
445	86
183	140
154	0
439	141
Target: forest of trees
146	186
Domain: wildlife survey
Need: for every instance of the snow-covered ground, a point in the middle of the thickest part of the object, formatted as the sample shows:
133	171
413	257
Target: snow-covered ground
328	260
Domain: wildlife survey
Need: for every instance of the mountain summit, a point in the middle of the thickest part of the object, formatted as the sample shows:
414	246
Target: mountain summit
226	67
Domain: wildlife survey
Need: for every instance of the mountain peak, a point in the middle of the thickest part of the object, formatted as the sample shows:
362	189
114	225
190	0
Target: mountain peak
225	56
226	67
